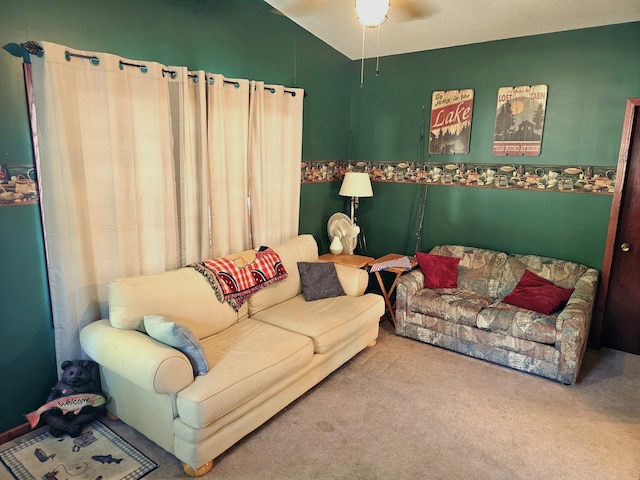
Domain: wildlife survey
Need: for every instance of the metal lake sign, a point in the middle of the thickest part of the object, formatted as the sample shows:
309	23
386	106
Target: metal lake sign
450	126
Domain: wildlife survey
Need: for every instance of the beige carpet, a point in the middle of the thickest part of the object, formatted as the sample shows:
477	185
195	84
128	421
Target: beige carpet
406	410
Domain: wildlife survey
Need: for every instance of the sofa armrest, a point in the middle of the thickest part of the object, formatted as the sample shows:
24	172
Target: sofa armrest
408	285
137	357
354	281
573	325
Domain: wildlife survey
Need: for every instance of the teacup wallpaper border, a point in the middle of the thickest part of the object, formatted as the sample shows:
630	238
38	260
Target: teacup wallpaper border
18	185
557	178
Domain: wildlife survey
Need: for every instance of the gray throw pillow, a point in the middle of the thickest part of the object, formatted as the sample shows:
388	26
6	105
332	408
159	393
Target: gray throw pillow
178	336
319	280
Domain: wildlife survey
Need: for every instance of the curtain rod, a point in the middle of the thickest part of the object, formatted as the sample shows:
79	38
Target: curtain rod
35	49
271	89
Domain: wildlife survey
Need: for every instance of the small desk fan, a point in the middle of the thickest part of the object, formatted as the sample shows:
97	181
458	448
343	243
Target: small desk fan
341	226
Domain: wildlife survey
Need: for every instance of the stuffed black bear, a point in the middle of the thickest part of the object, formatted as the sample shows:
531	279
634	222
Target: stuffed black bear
77	377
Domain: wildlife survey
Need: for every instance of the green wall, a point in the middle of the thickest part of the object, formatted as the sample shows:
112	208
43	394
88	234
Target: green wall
590	74
238	38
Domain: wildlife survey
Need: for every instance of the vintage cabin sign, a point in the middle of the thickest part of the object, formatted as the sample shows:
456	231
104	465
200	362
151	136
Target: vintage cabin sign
519	120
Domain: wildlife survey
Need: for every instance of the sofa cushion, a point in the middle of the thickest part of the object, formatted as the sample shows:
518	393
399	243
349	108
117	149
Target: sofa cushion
454	305
492	346
299	249
354	281
329	321
479	270
182	295
439	271
538	294
244	360
179	337
319	280
560	272
518	322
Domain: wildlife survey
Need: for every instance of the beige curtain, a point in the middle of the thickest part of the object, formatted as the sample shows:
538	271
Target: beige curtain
228	132
275	152
145	168
107	178
188	93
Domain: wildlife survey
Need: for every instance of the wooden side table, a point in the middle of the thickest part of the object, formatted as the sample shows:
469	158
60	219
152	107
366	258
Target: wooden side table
398	273
356	261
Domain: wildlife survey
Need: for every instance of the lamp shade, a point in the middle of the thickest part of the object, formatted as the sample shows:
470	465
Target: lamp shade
356	184
372	13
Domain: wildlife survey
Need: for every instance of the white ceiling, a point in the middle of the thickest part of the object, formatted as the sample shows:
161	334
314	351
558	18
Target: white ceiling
447	23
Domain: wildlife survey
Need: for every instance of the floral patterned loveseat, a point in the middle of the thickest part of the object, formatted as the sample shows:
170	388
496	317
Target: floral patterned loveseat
473	318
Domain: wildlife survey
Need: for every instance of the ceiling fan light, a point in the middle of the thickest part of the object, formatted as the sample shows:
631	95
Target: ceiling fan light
372	13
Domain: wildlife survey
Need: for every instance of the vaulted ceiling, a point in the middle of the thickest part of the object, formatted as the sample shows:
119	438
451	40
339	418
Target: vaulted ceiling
416	25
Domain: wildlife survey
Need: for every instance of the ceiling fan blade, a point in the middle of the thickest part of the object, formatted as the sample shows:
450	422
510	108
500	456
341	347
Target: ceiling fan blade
412	9
300	8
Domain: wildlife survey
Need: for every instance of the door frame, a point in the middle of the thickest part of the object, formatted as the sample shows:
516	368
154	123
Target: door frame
631	112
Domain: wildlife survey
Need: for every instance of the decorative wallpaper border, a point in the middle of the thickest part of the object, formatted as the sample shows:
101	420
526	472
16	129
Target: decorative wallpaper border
557	178
18	184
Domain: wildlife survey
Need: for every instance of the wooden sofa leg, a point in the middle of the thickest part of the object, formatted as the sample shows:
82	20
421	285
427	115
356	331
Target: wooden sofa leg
197	472
373	343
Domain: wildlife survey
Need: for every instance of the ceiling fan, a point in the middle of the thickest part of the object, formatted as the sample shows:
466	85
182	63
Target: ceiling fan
370	14
373	13
400	9
409	9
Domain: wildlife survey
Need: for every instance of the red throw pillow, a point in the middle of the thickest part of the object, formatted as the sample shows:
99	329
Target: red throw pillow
538	294
439	271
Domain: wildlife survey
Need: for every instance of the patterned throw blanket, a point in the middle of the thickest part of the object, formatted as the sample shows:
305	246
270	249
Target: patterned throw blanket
235	277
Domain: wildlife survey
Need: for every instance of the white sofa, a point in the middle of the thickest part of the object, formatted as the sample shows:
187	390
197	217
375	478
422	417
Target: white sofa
261	358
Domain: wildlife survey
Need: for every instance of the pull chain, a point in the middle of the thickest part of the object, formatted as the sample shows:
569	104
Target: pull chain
378	54
362	61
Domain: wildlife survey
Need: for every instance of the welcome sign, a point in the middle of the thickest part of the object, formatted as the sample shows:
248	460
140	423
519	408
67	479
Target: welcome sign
450	126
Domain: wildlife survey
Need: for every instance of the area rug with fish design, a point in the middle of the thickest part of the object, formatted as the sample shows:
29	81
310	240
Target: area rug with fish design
98	453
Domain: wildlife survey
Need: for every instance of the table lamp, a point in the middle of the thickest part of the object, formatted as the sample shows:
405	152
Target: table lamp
356	185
